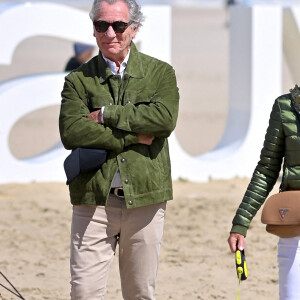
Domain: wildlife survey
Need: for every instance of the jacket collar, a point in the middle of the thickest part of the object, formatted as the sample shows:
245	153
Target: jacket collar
134	67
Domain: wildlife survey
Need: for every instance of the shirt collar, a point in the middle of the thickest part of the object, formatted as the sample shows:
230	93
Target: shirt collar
112	65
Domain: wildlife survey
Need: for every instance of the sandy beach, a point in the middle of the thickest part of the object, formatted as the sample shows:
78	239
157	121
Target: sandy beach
195	261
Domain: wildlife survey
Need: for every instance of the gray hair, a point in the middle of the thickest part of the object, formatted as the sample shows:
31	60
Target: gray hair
135	13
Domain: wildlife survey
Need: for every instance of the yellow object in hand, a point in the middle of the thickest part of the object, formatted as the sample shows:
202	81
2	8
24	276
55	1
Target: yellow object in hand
241	265
241	268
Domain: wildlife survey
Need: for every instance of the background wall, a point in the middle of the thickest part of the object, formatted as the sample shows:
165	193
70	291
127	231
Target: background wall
200	50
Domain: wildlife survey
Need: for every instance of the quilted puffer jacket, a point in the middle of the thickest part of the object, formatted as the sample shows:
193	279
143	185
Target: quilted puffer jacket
282	143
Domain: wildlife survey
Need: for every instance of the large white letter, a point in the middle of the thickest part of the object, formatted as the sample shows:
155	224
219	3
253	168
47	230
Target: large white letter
255	81
22	96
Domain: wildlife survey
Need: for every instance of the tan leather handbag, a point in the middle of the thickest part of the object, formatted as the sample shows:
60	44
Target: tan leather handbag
281	214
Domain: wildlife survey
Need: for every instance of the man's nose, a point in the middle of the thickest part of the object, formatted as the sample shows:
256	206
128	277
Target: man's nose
110	32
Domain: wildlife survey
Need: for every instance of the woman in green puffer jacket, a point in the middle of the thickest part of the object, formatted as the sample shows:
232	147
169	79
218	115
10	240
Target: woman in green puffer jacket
282	144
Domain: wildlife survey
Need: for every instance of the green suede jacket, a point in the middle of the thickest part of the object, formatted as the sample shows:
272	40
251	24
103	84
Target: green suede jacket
144	101
282	141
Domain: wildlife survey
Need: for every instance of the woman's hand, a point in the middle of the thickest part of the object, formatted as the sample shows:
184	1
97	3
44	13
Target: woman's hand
236	239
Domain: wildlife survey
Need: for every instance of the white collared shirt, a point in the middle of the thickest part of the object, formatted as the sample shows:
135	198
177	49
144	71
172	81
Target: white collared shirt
117	182
113	67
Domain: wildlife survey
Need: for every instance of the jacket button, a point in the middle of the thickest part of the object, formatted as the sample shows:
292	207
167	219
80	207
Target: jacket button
130	202
126	180
123	159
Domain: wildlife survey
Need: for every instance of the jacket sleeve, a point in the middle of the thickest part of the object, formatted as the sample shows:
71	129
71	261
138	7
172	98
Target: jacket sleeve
76	130
156	117
265	173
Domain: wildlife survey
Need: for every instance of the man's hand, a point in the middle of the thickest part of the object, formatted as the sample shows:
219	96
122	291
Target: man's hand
236	239
95	116
145	139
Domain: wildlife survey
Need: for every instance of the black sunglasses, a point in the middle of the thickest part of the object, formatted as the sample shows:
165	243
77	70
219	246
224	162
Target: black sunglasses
118	26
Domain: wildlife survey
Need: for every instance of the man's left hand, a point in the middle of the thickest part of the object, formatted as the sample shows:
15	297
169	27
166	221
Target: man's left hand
145	139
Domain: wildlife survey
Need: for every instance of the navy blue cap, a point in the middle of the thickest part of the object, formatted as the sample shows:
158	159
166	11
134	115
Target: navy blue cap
80	48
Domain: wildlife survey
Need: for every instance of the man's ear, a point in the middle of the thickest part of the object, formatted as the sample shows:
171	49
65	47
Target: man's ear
135	31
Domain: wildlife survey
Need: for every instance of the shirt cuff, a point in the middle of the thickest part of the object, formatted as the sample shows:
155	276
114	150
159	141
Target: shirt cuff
101	114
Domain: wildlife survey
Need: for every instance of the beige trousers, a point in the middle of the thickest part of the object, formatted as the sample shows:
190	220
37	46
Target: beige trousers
95	232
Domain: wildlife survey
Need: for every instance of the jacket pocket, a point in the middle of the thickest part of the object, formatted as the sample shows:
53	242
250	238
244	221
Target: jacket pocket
97	101
138	97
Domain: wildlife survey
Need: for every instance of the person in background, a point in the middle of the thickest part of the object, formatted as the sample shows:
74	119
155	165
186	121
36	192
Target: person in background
233	2
124	102
83	53
230	2
282	144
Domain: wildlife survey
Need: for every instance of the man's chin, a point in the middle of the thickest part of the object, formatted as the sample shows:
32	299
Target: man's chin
110	51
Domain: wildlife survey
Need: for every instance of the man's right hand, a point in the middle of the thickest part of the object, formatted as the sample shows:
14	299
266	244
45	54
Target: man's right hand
145	139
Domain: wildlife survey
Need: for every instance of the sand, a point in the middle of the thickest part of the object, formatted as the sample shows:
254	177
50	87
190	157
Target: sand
195	261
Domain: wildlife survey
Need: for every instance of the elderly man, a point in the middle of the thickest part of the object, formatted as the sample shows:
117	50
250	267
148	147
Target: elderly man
126	103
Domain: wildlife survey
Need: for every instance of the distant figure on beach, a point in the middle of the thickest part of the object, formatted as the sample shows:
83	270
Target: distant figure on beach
82	53
230	2
233	2
124	102
281	150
